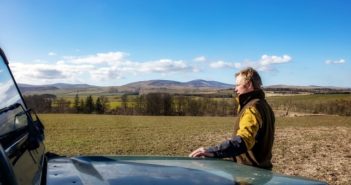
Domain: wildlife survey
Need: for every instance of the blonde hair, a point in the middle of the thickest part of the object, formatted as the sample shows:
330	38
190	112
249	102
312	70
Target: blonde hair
252	75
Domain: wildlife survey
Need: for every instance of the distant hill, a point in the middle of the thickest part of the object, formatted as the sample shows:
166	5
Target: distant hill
25	88
305	87
311	89
177	85
72	86
167	86
210	84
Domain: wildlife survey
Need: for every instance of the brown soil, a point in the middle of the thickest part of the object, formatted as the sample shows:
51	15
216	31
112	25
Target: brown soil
326	156
282	113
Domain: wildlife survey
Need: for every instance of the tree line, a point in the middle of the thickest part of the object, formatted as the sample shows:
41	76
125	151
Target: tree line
48	103
148	104
336	106
171	105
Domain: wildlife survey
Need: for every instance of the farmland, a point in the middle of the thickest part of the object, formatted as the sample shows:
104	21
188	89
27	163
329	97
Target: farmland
218	104
318	147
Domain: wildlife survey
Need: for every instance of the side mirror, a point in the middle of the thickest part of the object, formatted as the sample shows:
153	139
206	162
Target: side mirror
35	128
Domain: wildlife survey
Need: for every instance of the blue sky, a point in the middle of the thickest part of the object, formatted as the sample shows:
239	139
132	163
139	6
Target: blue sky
293	42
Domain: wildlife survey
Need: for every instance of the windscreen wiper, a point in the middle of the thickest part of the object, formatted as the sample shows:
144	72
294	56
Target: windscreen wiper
11	107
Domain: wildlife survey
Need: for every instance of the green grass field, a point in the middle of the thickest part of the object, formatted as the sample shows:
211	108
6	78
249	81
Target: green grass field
318	147
70	134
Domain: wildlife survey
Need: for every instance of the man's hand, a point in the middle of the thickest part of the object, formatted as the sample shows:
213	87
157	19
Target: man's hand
201	152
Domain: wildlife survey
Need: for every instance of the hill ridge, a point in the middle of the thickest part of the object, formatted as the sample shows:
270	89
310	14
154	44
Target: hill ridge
147	86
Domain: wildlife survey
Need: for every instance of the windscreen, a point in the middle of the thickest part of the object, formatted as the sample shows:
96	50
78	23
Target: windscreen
12	114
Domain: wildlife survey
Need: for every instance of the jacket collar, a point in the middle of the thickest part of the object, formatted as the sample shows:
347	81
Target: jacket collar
247	97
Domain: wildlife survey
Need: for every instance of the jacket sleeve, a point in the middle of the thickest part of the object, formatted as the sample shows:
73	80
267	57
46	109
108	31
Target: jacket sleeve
250	123
229	148
244	139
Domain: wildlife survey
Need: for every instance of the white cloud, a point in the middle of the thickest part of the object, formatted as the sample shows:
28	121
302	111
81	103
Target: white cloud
105	73
162	66
93	68
268	60
196	70
52	53
265	63
121	69
222	64
341	61
48	73
200	59
99	58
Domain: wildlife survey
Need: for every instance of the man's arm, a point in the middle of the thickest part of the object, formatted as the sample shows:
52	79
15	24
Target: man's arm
234	146
243	141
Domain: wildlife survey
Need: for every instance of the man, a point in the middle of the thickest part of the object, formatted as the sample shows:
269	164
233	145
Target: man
253	133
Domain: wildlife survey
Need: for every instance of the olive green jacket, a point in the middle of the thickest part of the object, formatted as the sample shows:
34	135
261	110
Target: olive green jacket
253	133
255	125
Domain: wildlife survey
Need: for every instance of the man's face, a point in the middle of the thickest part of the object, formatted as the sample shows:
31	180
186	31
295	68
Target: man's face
242	86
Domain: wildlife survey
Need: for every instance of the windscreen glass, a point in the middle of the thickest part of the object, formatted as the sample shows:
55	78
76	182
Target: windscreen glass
12	114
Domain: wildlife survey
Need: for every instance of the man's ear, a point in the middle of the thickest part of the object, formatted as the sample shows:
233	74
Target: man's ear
250	85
